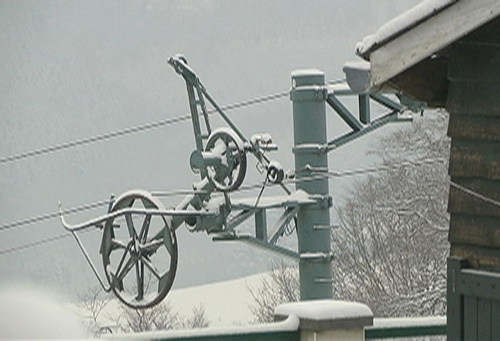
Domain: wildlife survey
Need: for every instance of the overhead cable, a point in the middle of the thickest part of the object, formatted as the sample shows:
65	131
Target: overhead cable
133	130
386	167
52	215
67	235
475	194
320	175
37	243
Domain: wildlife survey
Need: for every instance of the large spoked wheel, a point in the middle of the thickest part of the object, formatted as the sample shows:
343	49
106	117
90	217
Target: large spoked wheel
230	173
139	251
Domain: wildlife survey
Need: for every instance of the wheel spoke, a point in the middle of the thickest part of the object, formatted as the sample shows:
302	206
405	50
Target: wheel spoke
126	269
148	204
163	281
122	259
130	226
146	261
117	244
152	246
115	283
139	272
145	228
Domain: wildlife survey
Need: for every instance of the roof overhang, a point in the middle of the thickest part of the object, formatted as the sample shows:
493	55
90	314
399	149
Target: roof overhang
410	50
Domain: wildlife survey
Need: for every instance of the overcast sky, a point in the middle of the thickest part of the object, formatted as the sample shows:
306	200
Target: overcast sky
74	69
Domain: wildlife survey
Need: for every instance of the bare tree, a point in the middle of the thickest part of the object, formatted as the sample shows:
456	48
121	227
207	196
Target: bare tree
93	303
281	286
391	247
159	317
198	319
392	244
128	320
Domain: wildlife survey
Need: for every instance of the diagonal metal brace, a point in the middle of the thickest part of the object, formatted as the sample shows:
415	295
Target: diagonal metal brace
378	123
280	225
259	243
344	113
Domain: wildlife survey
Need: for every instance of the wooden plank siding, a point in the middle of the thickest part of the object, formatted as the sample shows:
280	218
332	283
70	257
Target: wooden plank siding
473	302
473	102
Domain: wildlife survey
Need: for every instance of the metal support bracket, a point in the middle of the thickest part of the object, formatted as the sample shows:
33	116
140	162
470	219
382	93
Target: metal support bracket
363	125
280	225
309	93
259	243
378	123
317	256
310	148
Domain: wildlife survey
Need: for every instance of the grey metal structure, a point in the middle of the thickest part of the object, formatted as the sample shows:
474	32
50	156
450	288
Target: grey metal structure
139	245
309	122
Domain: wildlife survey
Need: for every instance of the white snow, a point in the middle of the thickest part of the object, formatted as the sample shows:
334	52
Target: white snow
290	324
395	26
409	322
226	303
294	198
29	313
325	310
358	75
316	255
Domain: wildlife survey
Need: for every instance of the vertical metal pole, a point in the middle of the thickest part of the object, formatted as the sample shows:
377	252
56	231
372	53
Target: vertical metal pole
308	96
364	108
261	225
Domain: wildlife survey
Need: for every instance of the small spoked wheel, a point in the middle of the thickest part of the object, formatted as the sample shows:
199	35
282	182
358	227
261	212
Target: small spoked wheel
139	251
230	173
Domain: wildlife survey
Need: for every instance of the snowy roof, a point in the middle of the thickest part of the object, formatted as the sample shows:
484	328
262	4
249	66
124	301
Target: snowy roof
401	24
419	34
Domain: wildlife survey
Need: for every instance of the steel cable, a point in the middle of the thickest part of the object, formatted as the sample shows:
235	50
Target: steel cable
254	186
259	185
133	130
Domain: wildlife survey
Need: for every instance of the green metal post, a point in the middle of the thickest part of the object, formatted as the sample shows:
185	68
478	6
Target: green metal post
308	97
261	225
364	108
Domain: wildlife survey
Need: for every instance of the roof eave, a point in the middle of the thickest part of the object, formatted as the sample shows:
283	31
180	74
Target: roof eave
422	40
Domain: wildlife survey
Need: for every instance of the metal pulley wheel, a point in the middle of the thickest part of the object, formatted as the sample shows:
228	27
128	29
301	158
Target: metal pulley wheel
275	172
229	173
139	251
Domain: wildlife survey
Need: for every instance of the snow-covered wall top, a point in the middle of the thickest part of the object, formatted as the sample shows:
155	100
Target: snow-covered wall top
401	24
324	310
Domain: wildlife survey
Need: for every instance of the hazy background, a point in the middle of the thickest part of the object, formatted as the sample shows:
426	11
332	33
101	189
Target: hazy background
74	69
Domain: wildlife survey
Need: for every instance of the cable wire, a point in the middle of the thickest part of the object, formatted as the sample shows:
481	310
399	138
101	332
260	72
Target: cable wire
475	194
53	215
37	243
33	244
133	130
387	167
259	185
346	173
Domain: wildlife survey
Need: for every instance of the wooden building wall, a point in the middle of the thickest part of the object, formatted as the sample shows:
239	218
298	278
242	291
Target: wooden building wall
473	102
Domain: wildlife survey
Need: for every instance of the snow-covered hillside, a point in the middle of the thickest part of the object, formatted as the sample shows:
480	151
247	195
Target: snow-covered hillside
226	303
